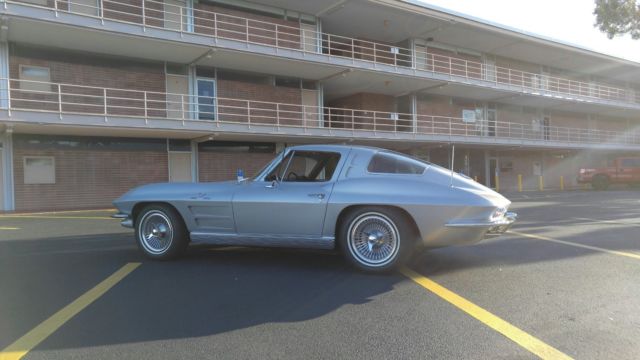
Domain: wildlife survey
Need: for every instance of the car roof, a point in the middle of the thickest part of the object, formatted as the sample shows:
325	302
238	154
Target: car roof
333	147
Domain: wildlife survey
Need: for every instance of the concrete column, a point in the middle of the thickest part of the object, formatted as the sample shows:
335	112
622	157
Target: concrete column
194	162
7	170
414	113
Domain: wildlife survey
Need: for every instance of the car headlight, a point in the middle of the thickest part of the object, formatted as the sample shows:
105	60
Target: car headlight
498	214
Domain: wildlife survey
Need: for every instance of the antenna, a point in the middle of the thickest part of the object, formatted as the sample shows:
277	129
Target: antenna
453	157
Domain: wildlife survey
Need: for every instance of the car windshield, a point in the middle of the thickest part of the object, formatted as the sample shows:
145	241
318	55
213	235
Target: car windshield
267	165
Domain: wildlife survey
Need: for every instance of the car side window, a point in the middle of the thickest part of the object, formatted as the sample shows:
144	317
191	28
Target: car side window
391	163
311	166
630	163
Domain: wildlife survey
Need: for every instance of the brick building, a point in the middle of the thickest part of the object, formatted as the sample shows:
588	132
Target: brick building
97	97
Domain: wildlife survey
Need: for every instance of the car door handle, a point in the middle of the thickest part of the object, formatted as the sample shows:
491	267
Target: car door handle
319	196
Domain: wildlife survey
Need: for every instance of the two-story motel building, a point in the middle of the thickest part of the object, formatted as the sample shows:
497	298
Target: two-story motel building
98	96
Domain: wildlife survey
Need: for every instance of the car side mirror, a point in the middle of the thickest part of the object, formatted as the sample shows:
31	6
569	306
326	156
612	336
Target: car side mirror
273	185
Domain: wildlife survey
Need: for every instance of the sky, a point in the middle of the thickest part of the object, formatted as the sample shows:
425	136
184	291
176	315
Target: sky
570	21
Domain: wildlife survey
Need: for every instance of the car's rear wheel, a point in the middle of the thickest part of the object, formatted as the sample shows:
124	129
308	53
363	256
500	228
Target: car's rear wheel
600	182
160	232
376	239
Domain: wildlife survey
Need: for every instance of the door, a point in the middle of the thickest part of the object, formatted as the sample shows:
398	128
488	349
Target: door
311	109
491	122
177	96
545	127
490	70
179	166
173	14
629	170
291	200
206	99
87	7
309	37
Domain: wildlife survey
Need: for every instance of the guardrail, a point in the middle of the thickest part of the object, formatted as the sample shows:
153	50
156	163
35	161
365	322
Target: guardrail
158	14
111	102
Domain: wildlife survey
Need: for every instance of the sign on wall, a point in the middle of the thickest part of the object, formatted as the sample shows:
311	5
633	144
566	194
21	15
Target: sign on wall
468	116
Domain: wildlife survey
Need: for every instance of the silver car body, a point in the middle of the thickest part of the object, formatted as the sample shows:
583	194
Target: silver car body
447	208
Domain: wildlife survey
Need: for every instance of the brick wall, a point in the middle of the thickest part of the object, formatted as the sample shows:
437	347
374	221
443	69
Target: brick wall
259	109
435	112
89	70
460	64
86	178
364	105
231	24
220	166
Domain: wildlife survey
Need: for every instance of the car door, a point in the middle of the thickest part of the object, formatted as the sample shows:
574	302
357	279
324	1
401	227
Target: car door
626	170
291	200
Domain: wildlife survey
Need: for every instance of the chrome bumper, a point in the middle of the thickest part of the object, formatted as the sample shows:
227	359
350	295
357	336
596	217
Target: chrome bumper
494	228
509	219
126	219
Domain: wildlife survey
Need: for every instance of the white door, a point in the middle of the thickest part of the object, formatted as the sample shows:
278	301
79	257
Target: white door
490	70
173	11
179	166
177	96
421	57
87	7
311	109
309	37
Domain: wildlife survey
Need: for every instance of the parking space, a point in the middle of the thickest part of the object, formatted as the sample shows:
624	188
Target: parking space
517	296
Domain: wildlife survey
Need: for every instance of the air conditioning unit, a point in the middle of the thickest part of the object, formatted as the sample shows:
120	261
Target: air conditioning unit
395	50
393	116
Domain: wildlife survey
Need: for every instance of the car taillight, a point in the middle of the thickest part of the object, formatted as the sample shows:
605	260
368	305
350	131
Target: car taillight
497	214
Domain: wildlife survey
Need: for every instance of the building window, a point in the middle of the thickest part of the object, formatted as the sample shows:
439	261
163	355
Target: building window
39	170
35	78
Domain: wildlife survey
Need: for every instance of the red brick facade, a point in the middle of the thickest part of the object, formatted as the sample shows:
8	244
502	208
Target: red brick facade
257	108
239	25
86	178
362	115
91	71
220	166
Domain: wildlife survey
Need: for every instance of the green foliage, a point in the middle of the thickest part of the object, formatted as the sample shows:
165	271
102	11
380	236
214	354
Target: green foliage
617	17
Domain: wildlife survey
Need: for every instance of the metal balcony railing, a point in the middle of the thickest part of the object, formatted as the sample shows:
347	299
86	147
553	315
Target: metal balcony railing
158	14
65	99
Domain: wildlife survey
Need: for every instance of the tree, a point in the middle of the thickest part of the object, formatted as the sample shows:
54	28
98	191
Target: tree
617	17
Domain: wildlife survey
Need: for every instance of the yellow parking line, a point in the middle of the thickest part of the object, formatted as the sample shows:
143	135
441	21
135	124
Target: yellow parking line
595	248
65	212
55	217
31	339
529	342
610	222
9	228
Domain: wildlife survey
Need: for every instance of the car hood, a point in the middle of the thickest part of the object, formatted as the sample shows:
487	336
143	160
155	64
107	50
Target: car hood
166	191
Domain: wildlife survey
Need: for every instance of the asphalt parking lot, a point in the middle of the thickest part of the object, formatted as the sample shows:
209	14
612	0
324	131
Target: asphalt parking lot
563	282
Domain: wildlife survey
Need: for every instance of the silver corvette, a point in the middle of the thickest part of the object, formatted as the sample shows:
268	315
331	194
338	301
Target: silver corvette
376	206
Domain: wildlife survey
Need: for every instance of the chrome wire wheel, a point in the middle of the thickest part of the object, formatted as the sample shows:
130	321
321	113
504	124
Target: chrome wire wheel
373	239
155	232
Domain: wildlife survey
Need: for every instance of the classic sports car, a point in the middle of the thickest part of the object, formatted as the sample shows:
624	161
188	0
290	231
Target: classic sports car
377	206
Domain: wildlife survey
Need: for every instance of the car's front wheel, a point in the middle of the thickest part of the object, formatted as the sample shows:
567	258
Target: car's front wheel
376	239
160	232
